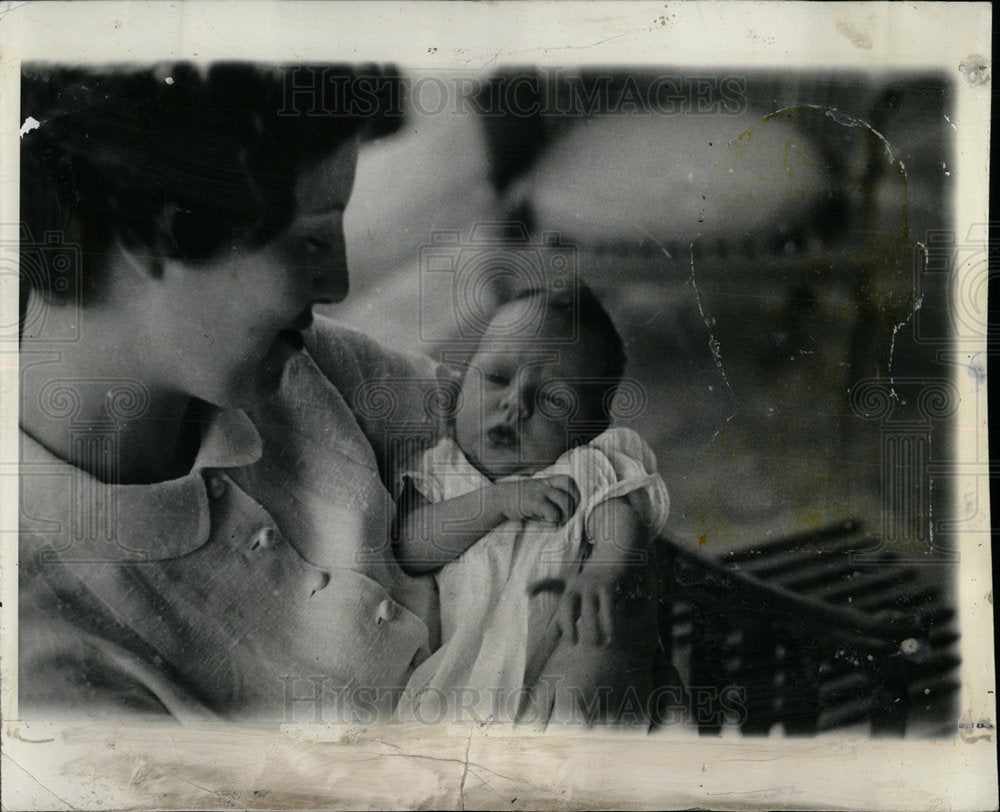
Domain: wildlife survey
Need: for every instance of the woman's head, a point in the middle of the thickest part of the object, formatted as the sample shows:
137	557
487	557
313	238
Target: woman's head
541	381
178	161
210	201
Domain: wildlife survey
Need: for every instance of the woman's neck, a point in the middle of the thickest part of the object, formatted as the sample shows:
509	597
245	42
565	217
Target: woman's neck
98	387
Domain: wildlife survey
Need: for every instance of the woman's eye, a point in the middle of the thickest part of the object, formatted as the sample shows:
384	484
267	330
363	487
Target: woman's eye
314	244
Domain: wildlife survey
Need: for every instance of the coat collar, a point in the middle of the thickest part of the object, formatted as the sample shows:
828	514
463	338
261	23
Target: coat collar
139	522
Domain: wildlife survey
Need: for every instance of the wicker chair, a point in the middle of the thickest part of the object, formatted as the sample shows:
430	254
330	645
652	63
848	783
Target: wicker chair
811	635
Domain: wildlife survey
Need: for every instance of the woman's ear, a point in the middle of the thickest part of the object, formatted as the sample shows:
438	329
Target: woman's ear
148	253
141	259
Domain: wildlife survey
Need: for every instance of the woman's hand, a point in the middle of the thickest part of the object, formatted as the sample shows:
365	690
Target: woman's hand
586	610
581	677
612	583
585	613
546	499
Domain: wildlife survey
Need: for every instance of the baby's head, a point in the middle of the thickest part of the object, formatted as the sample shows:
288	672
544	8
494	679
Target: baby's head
541	381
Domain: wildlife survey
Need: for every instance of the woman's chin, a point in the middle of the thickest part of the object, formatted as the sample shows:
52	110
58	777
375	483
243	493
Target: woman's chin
287	346
250	387
268	381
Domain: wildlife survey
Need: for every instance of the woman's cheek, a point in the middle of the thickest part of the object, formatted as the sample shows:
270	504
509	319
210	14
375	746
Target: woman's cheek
249	356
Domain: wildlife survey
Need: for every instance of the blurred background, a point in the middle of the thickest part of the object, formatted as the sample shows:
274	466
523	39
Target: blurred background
757	238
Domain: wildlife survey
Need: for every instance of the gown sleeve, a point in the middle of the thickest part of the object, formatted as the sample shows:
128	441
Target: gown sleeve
442	472
619	463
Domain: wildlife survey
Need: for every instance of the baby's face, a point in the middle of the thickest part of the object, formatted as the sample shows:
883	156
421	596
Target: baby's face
518	400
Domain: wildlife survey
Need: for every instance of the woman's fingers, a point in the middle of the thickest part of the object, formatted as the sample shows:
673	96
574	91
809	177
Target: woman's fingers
604	615
588	625
556	585
584	617
568	612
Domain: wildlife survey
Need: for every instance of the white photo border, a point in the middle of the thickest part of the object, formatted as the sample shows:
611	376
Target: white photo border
95	766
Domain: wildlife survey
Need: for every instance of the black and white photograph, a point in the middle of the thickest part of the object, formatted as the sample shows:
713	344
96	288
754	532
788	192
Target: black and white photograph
424	404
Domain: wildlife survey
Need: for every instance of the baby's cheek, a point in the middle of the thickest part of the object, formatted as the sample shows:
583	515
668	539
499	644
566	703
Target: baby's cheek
467	420
553	437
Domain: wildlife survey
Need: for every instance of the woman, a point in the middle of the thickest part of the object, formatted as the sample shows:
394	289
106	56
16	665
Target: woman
204	523
204	528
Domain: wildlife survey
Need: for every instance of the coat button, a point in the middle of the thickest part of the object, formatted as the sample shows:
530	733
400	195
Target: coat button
322	579
387	610
264	538
216	486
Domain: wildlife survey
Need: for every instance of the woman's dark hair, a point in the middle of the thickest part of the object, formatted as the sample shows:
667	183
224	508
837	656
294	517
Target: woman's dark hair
577	306
176	160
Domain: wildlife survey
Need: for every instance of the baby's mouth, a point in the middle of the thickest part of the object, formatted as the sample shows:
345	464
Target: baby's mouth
502	436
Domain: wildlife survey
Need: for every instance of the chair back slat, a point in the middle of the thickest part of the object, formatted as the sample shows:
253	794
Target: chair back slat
807	636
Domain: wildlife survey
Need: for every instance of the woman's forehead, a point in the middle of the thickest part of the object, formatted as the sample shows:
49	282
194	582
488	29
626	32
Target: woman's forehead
327	186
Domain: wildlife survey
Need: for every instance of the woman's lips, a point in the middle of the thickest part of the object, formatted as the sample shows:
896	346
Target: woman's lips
303	321
293	333
293	337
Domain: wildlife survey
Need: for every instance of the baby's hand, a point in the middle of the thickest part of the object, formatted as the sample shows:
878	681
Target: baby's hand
550	499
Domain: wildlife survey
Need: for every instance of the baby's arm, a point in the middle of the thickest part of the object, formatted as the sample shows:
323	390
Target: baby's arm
430	534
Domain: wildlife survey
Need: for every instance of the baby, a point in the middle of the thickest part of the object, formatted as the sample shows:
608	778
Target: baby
535	511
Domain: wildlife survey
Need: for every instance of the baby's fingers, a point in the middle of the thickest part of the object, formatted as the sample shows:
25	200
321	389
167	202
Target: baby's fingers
544	510
567	485
563	503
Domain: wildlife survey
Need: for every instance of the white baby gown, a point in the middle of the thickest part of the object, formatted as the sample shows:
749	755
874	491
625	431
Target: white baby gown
490	628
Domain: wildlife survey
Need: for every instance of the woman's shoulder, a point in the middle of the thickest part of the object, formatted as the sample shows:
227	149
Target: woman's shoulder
375	379
345	350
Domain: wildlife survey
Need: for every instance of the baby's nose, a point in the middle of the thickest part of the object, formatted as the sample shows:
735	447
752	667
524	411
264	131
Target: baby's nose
517	404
